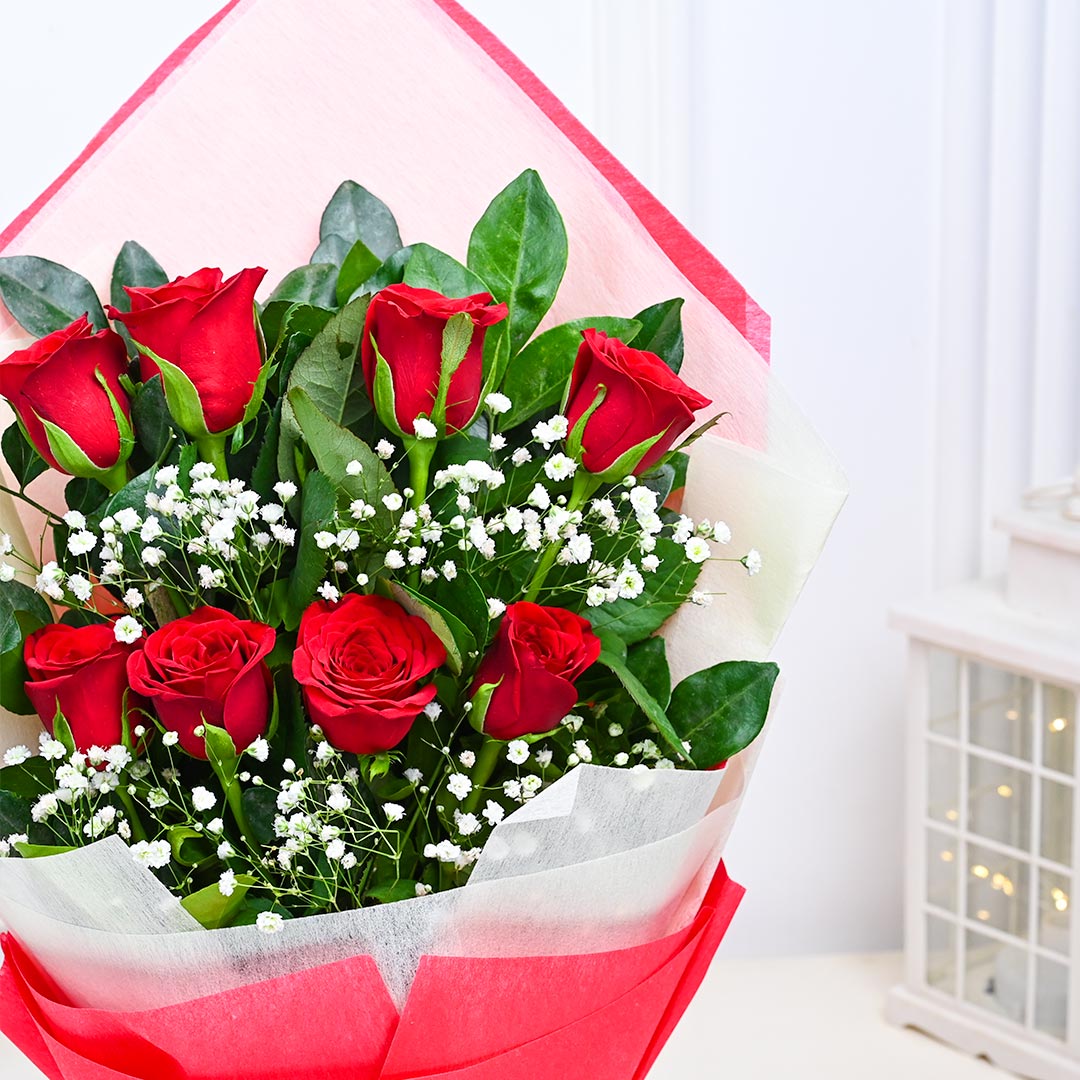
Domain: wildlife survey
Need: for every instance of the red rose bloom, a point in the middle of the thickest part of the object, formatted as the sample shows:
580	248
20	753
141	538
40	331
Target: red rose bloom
359	662
208	667
644	398
56	380
206	327
82	670
535	659
407	325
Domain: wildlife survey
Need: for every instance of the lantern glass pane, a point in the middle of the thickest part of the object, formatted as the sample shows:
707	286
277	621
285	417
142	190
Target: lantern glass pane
943	784
1059	730
995	976
997	890
941	955
943	674
1055	911
1051	998
999	802
942	869
1057	822
1001	710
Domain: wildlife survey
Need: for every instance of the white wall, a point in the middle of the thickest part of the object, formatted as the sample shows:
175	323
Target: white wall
896	184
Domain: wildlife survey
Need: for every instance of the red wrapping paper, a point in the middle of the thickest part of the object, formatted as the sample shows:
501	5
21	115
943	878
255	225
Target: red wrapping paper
524	1018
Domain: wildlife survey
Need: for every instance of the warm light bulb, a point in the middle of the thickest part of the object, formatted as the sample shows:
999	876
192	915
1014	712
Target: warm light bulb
1062	904
980	871
1012	714
952	815
1060	898
998	881
1058	724
947	856
1008	888
1005	791
983	914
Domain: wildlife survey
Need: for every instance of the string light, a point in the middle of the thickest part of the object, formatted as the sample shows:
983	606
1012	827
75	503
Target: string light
1012	714
947	856
982	914
1060	898
1005	791
1058	724
952	815
980	871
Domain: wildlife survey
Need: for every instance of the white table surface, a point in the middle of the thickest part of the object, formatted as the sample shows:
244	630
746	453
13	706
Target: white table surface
804	1018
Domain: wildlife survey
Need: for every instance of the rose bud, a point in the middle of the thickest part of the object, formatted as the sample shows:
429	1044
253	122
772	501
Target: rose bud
406	326
65	390
207	667
82	671
536	656
644	406
359	663
201	334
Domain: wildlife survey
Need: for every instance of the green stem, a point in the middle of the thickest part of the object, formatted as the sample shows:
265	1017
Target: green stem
234	797
212	450
115	478
486	760
30	502
420	452
584	485
137	830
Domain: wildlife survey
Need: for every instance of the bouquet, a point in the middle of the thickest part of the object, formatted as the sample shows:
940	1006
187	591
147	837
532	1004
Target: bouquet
380	677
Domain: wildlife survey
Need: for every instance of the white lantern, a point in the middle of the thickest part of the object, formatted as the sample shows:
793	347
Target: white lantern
993	850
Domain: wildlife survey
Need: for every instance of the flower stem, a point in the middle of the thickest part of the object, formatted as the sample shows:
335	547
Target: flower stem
584	485
212	450
115	478
420	452
486	760
234	797
137	829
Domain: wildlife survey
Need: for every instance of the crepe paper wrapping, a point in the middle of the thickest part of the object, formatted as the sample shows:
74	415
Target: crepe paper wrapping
467	1018
226	156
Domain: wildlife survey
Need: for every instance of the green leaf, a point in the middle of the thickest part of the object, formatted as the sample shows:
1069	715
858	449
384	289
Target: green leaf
314	284
189	846
331	250
661	332
537	377
181	396
465	599
32	778
214	910
390	892
14	814
722	709
324	371
317	514
666	590
13	673
392	271
150	417
660	479
429	268
136	268
264	475
353	213
15	598
44	296
260	809
283	318
644	700
69	455
41	851
519	248
359	265
25	463
449	629
647	661
333	448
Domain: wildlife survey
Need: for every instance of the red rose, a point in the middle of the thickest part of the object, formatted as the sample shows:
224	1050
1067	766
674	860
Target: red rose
58	381
359	662
207	667
407	325
644	398
207	329
82	670
535	658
